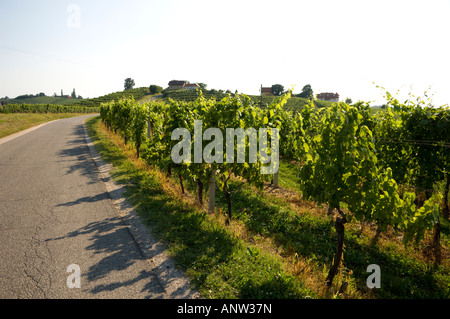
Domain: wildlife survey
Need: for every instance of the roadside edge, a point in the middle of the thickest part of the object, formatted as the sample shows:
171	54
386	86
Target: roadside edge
176	285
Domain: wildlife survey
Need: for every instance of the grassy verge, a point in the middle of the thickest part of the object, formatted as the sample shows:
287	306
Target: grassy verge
16	122
408	272
277	246
305	234
218	260
146	98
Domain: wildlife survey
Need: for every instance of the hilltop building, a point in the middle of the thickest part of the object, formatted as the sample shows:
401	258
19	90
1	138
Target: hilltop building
331	97
191	86
266	91
179	85
176	85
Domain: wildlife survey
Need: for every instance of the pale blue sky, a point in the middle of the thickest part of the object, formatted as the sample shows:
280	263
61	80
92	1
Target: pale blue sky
336	46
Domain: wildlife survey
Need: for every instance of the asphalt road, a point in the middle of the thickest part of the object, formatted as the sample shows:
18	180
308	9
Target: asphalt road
55	211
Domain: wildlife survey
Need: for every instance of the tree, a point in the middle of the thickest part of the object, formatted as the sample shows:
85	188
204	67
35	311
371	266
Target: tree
155	89
203	86
277	89
348	101
307	92
129	84
74	95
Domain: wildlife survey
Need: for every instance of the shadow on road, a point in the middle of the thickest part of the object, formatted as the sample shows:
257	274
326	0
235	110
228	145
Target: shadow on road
77	152
115	252
116	261
86	199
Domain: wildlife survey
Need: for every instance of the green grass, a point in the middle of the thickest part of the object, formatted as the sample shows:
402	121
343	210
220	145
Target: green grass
146	98
314	238
13	123
219	263
288	175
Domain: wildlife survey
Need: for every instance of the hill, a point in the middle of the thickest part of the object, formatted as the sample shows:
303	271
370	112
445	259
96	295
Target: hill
141	93
137	93
41	100
191	95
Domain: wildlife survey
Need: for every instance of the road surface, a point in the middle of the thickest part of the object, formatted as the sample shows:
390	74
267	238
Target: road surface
60	232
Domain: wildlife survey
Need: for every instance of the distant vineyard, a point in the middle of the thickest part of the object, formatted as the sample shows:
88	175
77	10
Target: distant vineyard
134	93
191	95
294	103
89	103
46	108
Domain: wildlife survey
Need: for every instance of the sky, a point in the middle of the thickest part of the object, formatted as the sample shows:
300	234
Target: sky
345	47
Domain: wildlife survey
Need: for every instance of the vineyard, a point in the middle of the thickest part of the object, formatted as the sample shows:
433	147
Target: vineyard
294	103
386	174
46	108
134	93
70	106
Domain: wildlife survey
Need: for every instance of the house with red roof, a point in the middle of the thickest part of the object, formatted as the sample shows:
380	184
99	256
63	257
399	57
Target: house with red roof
182	85
191	86
176	85
331	97
266	91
